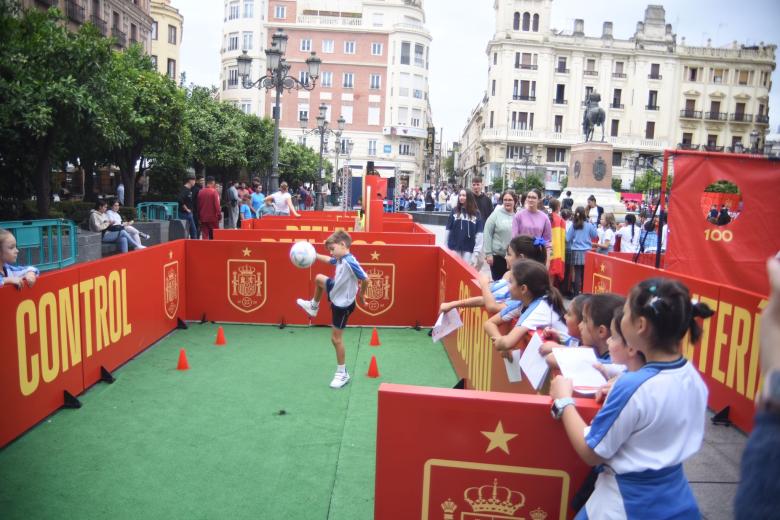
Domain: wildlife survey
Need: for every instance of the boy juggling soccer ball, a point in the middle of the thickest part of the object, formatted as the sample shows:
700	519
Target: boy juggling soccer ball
341	290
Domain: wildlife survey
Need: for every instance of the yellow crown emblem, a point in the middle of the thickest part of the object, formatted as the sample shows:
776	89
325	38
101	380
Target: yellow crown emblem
538	514
494	499
449	506
246	269
375	273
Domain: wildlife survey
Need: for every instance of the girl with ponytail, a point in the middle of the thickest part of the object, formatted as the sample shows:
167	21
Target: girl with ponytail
653	419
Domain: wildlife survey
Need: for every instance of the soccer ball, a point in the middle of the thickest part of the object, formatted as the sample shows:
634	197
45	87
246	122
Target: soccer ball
302	254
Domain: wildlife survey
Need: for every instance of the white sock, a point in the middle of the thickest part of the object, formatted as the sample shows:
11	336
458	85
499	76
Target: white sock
340	369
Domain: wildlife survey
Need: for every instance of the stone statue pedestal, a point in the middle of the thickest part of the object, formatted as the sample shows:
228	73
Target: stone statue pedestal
590	173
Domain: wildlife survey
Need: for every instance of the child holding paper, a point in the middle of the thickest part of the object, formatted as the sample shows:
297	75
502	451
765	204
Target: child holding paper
623	356
653	419
542	306
572	318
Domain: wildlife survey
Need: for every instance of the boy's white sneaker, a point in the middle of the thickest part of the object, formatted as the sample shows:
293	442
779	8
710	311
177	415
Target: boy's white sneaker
340	379
307	306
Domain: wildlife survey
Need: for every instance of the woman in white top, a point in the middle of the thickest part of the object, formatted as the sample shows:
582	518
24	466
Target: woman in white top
629	235
606	233
282	202
115	219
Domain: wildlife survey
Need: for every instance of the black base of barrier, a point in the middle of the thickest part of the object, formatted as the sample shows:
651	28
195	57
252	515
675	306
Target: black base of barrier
460	385
70	401
203	319
180	325
722	417
283	324
417	326
106	376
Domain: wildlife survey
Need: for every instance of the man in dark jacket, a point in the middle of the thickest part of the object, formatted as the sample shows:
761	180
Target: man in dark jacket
186	205
484	203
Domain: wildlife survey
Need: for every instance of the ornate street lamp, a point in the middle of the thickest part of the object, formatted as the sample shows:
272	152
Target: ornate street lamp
323	130
754	141
276	78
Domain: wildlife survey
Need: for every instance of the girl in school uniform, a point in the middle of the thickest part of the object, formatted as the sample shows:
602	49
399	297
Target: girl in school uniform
579	239
465	227
12	274
606	233
653	418
539	305
629	235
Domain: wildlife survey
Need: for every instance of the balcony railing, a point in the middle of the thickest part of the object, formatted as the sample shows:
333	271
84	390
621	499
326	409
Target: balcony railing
619	106
651	107
99	23
687	146
74	11
524	97
741	117
713	148
121	37
764	119
590	73
560	101
560	70
690	114
716	116
654	76
619	75
527	66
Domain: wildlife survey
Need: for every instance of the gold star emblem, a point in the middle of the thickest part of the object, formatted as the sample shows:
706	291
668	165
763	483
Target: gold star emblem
374	256
603	267
499	439
247	251
170	255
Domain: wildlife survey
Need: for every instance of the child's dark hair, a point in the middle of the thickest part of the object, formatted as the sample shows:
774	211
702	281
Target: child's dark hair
339	236
534	275
600	308
578	221
529	248
666	304
566	213
577	305
617	317
631	221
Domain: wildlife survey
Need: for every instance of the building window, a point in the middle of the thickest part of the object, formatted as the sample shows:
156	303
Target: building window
327	46
655	71
556	154
375	81
303	77
349	47
303	111
712	140
346	113
614	129
249	8
743	78
373	116
154	30
232	42
246	106
172	34
348	80
154	61
326	79
376	49
526	21
561	64
416	117
617	158
404	84
692	74
403	115
650	130
558	124
590	65
687	138
232	77
172	69
378	19
280	12
419	55
535	23
495	58
406	51
371	147
619	68
247	37
616	95
516	22
525	120
405	149
718	75
652	100
306	45
234	10
491	119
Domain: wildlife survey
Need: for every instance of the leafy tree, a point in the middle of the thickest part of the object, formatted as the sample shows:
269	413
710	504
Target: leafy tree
722	186
449	165
526	183
649	181
617	183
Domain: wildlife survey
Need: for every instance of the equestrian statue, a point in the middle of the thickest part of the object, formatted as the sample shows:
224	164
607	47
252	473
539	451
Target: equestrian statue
594	115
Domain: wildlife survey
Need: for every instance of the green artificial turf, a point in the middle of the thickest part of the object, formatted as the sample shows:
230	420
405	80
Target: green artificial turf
252	430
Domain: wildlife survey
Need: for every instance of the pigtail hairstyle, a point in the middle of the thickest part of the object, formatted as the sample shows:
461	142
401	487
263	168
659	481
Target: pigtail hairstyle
579	217
529	248
631	221
535	277
667	305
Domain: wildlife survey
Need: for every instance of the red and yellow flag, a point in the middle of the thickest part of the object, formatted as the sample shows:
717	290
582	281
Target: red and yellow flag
557	261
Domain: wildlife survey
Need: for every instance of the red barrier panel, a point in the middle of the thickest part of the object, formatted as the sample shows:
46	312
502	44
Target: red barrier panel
319	237
485	455
644	258
727	355
41	355
256	283
137	298
300	224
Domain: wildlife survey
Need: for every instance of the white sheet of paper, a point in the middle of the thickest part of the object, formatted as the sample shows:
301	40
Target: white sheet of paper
576	363
446	323
533	363
513	367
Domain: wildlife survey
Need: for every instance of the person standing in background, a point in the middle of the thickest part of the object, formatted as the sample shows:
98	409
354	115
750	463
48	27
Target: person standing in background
498	233
195	190
120	193
209	209
232	205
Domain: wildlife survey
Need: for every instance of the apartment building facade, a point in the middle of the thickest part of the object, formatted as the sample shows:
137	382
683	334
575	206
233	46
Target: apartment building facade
374	74
657	93
127	21
166	34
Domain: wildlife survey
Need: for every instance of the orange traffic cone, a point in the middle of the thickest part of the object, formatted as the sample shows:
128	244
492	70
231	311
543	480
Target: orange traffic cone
374	339
183	364
373	370
220	337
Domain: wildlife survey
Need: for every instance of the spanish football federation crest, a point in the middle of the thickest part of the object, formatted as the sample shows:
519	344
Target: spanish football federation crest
246	284
602	283
380	293
171	289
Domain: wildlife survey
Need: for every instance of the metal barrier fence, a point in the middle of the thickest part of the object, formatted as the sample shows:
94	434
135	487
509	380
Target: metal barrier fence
47	243
157	210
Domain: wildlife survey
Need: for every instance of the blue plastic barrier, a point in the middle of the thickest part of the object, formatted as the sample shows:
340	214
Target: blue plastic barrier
41	242
157	210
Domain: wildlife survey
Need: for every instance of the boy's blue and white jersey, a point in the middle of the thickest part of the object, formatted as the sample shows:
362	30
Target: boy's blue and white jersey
17	270
345	282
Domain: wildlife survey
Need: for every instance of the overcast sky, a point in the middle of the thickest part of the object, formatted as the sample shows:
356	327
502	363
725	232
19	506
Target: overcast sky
462	28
